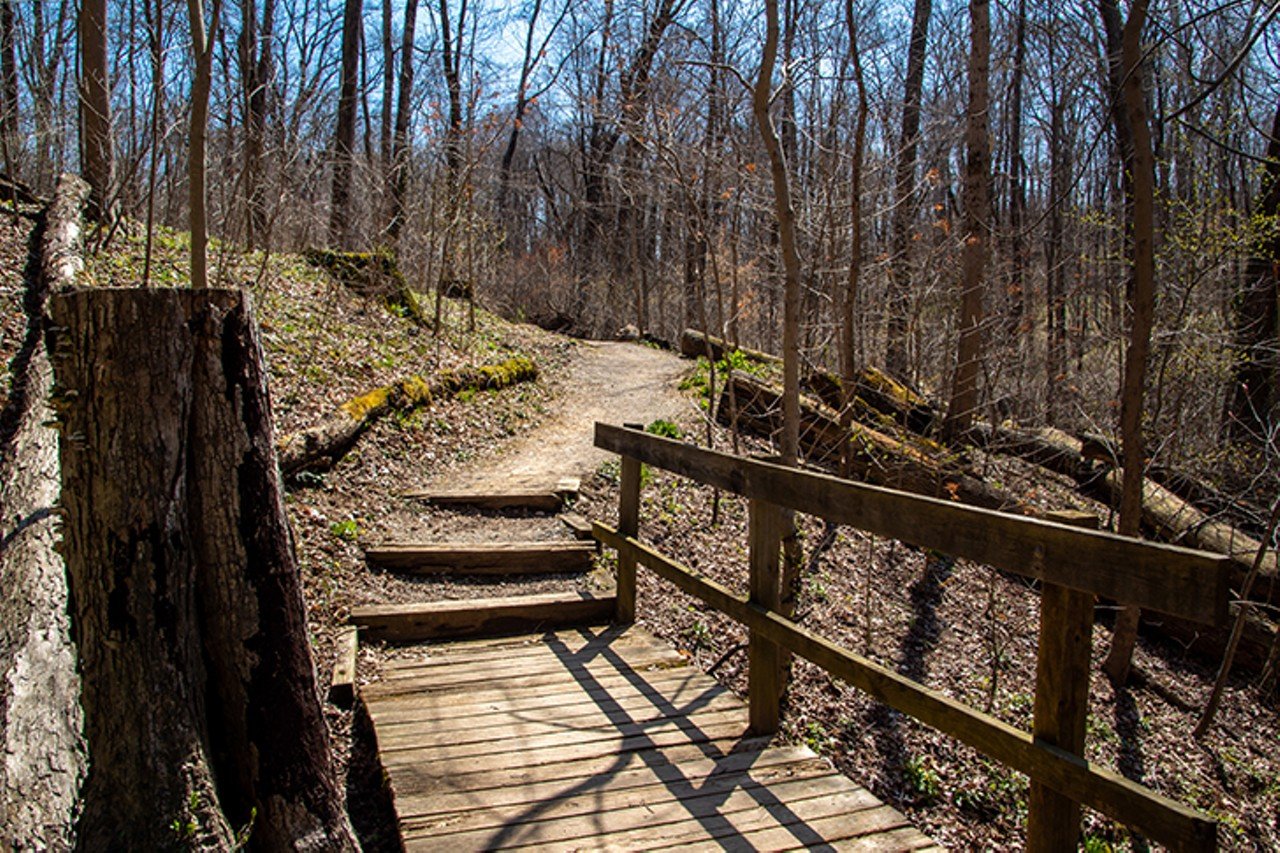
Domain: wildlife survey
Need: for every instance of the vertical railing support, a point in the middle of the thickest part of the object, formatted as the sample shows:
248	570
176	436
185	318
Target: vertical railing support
628	525
766	677
1062	699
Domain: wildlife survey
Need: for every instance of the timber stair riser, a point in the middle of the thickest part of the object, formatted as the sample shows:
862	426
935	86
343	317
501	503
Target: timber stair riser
504	558
491	617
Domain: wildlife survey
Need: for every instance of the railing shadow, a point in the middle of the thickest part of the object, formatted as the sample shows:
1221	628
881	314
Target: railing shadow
701	799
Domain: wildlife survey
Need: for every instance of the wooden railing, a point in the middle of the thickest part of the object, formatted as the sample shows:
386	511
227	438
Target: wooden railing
1073	565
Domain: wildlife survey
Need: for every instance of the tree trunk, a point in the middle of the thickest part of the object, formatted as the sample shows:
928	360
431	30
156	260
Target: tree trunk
1134	134
1256	372
904	207
41	724
196	166
95	106
400	144
977	223
344	141
201	708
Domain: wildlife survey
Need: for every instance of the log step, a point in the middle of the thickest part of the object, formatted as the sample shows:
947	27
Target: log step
489	558
517	495
536	499
481	617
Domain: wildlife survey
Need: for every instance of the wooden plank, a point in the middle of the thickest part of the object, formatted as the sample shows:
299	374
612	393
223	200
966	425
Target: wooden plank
495	727
671	818
592	797
1061	701
1158	817
693	770
541	499
488	558
511	682
425	779
480	616
665	687
765	674
629	523
572	752
567	487
342	686
600	635
419	693
566	668
393	742
578	525
877	827
1178	581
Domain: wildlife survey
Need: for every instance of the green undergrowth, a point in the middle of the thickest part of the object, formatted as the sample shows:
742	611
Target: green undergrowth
699	379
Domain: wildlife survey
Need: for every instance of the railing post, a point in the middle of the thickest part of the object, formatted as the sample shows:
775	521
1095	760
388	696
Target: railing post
628	525
1062	699
765	677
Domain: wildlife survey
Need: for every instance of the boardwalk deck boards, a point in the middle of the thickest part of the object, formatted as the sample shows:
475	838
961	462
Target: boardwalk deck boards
600	739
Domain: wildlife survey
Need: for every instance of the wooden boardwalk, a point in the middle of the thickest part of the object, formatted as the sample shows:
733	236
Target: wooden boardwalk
600	739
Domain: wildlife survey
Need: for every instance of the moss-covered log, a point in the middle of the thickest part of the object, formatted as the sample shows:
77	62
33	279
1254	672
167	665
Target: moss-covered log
326	441
878	395
372	274
914	465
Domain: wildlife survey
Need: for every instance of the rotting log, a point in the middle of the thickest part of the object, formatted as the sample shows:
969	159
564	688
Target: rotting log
41	722
327	441
876	391
876	458
1178	522
695	344
187	605
1047	447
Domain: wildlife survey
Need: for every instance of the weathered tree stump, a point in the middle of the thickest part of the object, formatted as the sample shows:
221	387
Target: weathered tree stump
200	699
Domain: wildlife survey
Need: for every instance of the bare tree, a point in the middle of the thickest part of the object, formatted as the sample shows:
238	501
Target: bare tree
977	225
95	106
1125	65
344	142
898	302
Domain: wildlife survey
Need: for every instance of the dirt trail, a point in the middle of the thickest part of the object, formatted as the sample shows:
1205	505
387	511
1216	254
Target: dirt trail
609	381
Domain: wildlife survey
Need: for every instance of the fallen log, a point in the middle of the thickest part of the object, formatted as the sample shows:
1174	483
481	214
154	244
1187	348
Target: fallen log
1045	446
41	721
878	392
876	458
327	441
874	391
1178	522
694	344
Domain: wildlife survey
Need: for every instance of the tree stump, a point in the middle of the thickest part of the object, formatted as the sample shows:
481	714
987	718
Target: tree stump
201	709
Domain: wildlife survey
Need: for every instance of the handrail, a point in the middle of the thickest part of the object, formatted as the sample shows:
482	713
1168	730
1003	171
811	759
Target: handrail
1166	578
1073	563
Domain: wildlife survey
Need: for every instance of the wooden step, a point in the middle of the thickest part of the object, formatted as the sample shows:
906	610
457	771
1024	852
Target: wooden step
482	558
510	495
536	499
481	617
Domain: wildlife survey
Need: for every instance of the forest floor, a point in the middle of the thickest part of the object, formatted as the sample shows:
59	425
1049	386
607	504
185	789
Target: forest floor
959	628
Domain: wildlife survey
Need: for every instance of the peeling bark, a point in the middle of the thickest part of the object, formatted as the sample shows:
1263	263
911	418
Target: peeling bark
42	758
